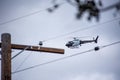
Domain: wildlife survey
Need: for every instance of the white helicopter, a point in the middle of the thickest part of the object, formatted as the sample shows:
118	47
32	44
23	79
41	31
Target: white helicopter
76	42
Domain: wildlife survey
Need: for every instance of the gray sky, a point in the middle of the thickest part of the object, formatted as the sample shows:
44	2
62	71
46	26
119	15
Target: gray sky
101	65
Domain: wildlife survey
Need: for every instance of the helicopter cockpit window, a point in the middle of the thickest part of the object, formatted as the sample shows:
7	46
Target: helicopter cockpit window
70	42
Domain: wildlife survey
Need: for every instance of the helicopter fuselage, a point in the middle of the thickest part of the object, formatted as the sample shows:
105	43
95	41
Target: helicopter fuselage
76	42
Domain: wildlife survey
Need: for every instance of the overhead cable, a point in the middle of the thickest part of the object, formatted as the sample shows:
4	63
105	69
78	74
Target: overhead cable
24	16
82	29
90	50
110	7
23	61
20	52
50	61
110	44
15	19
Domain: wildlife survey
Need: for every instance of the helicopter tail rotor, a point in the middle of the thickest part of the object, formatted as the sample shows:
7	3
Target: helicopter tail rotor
96	40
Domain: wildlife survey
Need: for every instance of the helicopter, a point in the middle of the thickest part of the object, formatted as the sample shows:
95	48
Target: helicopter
75	43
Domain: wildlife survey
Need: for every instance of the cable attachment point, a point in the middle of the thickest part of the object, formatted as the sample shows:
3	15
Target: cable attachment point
97	48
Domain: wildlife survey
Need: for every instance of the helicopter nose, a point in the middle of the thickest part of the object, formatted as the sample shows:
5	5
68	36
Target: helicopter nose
67	45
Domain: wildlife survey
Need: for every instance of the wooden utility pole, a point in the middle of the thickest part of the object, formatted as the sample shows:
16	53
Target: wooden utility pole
6	57
6	47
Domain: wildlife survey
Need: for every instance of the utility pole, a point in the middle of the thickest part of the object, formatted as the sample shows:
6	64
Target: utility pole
6	57
6	47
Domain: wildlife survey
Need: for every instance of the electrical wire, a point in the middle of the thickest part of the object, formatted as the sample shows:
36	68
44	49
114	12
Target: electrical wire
23	61
20	52
15	19
83	29
24	16
17	53
50	61
110	7
118	42
110	44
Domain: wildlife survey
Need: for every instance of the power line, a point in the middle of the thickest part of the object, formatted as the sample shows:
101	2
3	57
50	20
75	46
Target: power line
24	58
110	7
118	42
19	52
24	16
49	62
15	19
110	44
83	29
23	61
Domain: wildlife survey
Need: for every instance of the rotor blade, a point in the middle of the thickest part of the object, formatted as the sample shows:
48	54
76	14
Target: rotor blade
81	37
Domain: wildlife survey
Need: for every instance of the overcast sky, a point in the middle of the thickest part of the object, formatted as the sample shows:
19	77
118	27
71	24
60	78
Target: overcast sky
101	65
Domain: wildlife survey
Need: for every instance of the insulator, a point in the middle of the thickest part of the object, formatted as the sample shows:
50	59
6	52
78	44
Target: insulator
40	43
97	48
